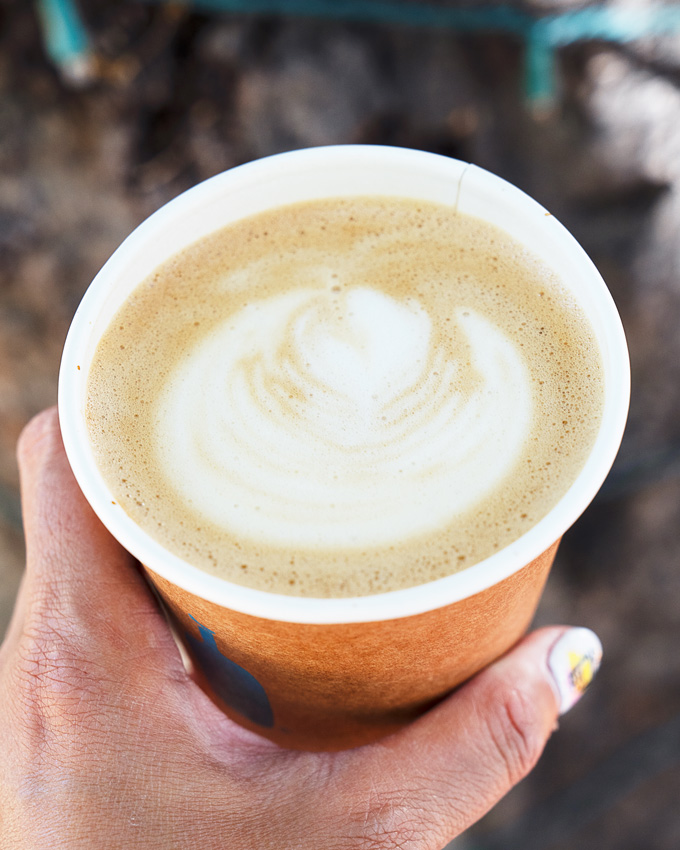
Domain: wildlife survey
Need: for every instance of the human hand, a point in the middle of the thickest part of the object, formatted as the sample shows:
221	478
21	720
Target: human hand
108	743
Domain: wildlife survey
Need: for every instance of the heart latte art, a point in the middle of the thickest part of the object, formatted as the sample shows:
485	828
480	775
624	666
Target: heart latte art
344	397
315	419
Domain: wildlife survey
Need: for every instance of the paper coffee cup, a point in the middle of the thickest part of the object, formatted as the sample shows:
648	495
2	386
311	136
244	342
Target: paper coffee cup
327	674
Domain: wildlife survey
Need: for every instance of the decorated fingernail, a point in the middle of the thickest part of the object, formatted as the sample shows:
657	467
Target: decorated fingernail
573	661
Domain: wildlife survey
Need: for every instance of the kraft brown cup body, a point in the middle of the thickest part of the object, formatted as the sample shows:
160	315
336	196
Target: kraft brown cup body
330	687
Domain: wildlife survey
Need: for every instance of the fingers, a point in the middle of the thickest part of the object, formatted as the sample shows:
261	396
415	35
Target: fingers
441	774
76	573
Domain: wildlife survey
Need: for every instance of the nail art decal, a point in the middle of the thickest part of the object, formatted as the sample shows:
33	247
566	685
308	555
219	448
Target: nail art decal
573	661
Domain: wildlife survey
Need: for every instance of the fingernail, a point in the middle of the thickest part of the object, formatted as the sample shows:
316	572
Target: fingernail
573	662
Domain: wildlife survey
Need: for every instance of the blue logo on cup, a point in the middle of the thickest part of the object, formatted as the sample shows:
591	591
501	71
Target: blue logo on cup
234	685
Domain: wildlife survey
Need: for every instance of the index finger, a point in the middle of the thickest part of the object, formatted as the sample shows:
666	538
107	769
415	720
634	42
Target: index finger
76	573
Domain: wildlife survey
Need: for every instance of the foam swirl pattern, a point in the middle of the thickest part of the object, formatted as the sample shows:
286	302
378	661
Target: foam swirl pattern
318	418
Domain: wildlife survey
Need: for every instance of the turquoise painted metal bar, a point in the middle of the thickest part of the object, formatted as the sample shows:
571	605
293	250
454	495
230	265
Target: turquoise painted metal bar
65	35
609	24
381	11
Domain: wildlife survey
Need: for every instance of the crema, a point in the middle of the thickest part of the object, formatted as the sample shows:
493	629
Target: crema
345	397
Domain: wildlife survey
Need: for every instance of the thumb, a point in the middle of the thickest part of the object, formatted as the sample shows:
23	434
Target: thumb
425	785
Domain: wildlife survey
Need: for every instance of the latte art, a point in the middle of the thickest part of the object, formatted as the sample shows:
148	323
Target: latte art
321	419
344	397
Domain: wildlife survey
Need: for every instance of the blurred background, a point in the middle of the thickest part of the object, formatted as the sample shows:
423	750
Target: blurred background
108	110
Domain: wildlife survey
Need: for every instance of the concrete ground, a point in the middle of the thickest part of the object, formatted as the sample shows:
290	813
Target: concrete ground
178	96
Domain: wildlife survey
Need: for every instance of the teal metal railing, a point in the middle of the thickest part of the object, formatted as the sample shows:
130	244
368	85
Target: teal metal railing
65	36
68	45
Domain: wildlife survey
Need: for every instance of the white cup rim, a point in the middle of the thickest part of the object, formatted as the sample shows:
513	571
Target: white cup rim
385	606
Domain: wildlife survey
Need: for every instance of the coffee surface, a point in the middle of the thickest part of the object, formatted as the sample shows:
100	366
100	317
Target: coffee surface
345	397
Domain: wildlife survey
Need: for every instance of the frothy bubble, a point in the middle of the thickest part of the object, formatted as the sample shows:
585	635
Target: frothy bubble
319	419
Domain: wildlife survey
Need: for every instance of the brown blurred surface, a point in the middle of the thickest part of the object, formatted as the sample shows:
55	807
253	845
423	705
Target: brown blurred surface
179	96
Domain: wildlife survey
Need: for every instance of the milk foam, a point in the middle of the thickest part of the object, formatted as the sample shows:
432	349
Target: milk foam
328	417
344	397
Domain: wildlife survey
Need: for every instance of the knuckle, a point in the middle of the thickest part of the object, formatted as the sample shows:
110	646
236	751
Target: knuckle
55	686
391	820
44	663
516	732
